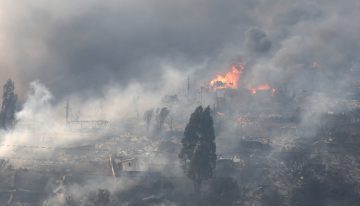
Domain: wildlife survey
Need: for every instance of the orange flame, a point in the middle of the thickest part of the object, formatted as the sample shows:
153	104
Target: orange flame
229	80
262	87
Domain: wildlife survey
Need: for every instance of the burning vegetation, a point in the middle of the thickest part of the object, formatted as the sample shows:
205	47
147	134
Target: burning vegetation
279	125
262	150
228	81
262	87
233	80
262	155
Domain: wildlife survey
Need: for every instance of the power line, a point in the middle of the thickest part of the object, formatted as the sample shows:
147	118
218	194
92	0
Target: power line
48	147
80	148
92	148
52	161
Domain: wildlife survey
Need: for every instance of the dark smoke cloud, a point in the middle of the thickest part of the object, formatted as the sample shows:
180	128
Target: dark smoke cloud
77	46
257	42
82	45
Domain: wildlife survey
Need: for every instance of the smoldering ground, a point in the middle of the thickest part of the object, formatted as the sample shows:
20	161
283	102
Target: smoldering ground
109	56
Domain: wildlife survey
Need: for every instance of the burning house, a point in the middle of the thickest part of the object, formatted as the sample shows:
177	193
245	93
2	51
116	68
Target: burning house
231	92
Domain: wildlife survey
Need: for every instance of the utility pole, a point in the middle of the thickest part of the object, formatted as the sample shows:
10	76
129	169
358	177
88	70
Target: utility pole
67	111
188	87
112	166
171	124
136	106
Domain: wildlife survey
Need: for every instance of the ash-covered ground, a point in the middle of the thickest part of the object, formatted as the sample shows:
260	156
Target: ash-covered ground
101	103
266	155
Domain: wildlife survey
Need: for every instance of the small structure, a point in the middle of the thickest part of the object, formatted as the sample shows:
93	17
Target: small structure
83	125
119	166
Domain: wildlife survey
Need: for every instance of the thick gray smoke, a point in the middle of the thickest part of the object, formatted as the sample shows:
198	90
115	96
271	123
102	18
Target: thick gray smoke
74	46
82	45
45	115
116	59
257	42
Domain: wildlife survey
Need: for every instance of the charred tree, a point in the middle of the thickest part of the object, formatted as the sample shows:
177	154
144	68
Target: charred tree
8	107
223	191
102	197
162	116
147	117
198	153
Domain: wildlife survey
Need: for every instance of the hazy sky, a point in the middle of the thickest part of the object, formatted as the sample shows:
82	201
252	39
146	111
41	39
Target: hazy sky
81	45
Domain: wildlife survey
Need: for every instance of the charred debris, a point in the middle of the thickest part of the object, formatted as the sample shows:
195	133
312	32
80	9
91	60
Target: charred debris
265	153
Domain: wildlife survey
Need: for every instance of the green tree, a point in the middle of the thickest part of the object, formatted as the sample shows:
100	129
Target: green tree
198	153
8	107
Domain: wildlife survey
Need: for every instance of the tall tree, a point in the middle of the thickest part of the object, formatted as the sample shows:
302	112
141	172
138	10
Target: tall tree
198	153
162	116
8	107
147	117
223	191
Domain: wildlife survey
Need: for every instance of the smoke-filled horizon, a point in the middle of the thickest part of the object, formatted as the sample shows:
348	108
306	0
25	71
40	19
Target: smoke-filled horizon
81	47
144	66
117	59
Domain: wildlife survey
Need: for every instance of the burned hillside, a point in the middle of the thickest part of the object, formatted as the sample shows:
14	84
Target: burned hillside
181	103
